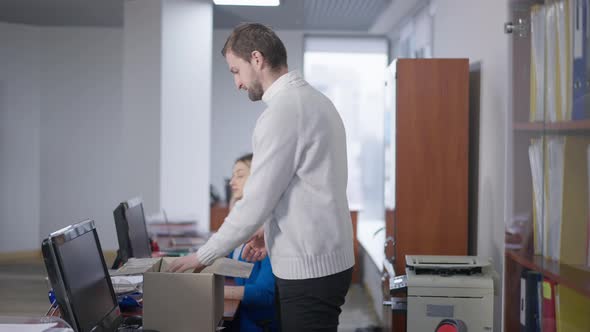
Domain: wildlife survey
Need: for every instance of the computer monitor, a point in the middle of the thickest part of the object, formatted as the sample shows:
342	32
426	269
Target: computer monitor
132	232
78	274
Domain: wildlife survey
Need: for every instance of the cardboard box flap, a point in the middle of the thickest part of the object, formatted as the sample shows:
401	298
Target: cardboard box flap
138	266
221	266
229	268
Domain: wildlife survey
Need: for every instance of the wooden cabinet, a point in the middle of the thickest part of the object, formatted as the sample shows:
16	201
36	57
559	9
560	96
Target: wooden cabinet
217	216
547	237
429	139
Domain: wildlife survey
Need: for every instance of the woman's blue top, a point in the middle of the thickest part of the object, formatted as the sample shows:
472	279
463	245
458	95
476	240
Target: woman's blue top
258	305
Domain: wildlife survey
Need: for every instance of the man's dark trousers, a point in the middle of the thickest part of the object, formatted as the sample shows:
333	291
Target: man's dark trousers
312	304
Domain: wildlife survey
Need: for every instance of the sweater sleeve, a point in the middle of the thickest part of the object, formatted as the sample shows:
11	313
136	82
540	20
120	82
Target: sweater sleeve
275	150
261	292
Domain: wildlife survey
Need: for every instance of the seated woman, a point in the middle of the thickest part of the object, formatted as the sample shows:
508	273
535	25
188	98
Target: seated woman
257	293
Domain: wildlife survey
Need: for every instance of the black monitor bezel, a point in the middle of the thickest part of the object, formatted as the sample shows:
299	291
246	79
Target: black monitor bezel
54	264
131	204
122	228
121	217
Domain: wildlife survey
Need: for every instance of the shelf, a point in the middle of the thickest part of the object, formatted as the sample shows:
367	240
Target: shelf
576	278
553	127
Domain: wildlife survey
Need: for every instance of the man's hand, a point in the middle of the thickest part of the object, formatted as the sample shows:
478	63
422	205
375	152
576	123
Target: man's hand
254	249
189	262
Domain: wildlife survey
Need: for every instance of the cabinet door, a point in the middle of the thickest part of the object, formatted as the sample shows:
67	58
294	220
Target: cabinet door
429	211
432	143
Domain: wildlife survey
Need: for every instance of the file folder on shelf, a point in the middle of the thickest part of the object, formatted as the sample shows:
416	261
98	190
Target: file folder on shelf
581	34
588	227
552	62
555	185
564	60
559	169
531	302
548	307
572	310
539	193
574	219
537	111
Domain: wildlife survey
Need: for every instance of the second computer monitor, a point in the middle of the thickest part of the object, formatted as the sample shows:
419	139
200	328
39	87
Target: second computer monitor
131	230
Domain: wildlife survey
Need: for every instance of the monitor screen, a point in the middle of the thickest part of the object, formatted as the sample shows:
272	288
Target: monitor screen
122	228
85	274
138	235
79	277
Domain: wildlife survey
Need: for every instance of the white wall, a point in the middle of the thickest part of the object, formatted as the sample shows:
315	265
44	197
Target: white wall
186	109
60	129
81	128
478	36
142	81
84	123
19	138
233	114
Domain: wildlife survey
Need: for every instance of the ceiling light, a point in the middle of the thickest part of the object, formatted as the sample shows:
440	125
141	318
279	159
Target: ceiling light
247	2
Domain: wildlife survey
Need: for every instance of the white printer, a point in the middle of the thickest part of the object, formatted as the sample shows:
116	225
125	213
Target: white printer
449	293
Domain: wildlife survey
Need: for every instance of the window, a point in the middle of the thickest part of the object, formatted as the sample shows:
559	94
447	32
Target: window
351	71
415	38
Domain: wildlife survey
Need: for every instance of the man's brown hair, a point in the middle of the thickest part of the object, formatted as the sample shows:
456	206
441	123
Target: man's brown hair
249	37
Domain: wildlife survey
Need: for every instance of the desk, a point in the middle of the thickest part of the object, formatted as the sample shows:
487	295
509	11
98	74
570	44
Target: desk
55	324
230	307
179	243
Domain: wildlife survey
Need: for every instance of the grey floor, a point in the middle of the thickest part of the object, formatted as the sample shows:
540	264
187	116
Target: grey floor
23	292
357	313
23	289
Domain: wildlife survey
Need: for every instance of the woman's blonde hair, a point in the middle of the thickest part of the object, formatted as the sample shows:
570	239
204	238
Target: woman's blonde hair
246	159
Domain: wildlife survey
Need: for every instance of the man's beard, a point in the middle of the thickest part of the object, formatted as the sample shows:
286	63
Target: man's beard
255	91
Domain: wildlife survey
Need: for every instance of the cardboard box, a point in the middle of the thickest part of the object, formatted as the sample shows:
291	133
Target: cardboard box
179	302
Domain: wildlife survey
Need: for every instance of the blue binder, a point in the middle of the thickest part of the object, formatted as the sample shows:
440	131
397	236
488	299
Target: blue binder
531	301
587	59
581	60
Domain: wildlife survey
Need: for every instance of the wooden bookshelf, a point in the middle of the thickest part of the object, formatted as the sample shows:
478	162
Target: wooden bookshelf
553	127
574	277
523	85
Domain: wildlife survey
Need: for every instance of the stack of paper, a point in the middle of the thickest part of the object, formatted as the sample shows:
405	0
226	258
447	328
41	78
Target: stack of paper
127	283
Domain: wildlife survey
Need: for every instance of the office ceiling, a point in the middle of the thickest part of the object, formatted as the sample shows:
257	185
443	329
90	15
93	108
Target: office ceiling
349	15
306	14
63	12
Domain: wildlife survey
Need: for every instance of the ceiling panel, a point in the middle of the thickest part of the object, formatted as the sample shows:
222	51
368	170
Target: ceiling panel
342	14
289	15
349	15
63	12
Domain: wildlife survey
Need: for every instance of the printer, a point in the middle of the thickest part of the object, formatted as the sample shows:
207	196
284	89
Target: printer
449	293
